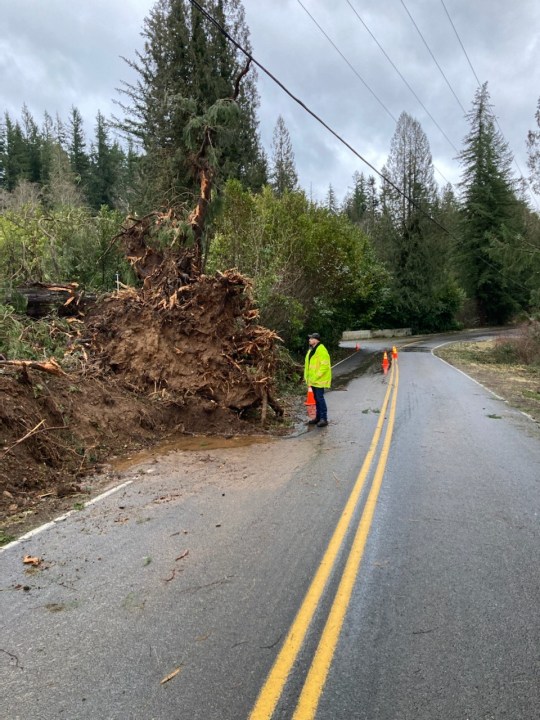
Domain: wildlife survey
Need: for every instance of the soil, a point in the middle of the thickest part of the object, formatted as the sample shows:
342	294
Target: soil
143	364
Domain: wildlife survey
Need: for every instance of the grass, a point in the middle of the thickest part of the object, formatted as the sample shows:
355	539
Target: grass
5	538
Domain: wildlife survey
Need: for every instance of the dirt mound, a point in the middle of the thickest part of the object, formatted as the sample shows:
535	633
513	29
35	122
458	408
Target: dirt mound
202	344
182	352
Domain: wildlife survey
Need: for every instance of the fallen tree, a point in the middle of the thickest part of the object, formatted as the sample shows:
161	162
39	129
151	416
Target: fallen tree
182	333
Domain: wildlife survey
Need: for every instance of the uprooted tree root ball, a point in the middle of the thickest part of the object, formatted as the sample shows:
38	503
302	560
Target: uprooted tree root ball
183	352
183	333
202	343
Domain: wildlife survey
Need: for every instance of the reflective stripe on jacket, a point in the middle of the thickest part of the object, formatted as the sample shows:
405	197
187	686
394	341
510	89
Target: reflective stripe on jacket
317	371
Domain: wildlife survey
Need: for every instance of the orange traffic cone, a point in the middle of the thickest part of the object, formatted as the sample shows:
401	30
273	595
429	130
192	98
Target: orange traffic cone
310	400
394	353
385	363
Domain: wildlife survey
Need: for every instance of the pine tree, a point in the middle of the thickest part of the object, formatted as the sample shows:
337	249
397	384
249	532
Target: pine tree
48	143
489	214
283	174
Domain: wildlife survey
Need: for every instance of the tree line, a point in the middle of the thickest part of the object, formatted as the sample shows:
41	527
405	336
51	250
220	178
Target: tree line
401	251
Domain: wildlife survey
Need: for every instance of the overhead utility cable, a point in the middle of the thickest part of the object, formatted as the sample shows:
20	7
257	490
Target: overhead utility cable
401	75
247	54
462	46
377	98
434	58
357	74
297	100
480	85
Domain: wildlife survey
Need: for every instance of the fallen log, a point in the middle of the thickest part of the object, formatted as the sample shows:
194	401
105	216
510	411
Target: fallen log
42	298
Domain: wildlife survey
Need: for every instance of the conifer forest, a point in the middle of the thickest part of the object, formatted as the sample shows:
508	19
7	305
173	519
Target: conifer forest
399	250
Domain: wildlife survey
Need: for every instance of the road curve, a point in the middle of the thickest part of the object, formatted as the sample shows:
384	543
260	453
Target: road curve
174	597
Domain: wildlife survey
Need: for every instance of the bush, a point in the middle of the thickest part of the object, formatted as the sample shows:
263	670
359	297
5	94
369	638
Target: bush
524	348
24	339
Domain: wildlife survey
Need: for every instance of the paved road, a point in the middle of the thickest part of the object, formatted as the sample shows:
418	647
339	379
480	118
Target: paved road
297	578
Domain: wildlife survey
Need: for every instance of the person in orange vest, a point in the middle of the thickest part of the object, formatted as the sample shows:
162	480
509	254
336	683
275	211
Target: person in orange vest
318	376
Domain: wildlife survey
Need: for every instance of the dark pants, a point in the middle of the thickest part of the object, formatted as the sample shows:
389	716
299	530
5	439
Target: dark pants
320	402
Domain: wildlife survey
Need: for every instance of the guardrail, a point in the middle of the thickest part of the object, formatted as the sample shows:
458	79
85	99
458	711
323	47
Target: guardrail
368	334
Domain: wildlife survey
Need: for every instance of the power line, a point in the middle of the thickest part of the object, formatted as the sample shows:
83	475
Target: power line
297	100
401	75
434	58
462	46
377	98
357	74
479	85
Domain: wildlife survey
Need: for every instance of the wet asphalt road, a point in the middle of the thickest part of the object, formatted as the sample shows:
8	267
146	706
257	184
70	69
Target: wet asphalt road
442	620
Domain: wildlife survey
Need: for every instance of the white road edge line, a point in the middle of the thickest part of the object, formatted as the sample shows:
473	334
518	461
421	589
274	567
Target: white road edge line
498	397
461	371
41	528
344	359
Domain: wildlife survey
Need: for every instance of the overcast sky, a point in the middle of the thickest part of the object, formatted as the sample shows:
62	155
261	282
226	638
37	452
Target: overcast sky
59	53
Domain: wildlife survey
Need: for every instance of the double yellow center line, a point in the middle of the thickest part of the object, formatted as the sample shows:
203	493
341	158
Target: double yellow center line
275	683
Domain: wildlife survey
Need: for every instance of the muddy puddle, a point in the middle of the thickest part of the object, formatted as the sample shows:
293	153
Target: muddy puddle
188	443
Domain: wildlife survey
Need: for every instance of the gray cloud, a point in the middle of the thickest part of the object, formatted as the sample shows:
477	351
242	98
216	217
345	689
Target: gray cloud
57	53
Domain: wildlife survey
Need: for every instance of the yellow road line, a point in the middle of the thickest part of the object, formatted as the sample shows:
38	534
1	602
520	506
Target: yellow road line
275	682
316	678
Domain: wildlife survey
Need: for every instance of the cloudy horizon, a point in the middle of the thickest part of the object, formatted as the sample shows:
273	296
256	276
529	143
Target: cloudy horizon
56	54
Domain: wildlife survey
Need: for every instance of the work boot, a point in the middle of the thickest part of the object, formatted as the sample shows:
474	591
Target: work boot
322	423
313	422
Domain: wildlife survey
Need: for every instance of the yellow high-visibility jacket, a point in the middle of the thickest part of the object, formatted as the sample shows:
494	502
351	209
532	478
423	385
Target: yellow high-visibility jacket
317	370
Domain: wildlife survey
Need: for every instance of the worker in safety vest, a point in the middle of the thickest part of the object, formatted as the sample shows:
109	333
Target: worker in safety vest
318	376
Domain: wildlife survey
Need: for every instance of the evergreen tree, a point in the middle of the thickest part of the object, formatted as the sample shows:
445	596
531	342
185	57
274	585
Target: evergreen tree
283	174
106	160
356	201
490	213
33	146
185	68
533	148
331	200
406	238
48	143
78	157
3	153
15	155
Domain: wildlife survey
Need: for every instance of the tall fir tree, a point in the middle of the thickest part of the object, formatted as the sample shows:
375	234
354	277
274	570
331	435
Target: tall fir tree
15	165
331	200
410	168
424	294
106	160
533	151
78	157
490	214
33	146
283	174
187	66
356	200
